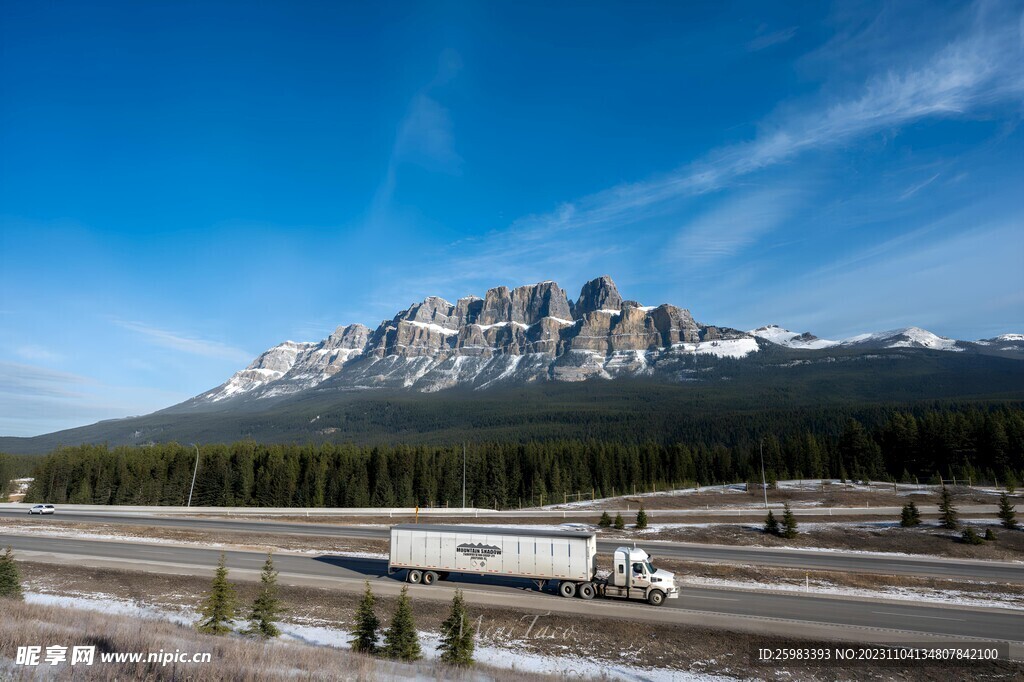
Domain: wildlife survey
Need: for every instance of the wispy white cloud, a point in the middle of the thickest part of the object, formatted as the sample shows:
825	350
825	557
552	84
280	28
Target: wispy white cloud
186	343
424	137
917	187
978	69
35	400
765	40
37	354
731	226
914	279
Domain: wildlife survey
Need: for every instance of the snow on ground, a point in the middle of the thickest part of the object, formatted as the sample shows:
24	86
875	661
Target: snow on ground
822	587
723	348
567	665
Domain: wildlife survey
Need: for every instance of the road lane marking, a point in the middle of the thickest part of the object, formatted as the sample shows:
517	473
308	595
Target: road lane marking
910	615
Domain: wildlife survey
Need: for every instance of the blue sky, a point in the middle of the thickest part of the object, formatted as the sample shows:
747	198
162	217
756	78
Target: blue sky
183	185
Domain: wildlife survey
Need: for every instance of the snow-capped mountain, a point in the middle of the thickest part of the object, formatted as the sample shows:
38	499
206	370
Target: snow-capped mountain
910	337
534	333
1005	342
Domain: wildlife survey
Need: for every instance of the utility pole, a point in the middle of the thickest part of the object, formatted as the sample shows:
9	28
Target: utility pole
463	475
764	481
194	471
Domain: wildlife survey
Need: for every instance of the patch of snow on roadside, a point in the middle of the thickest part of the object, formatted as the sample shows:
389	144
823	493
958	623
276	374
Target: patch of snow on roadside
820	587
572	667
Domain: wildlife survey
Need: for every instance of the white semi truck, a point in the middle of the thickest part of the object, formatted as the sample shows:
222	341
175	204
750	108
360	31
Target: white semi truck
428	553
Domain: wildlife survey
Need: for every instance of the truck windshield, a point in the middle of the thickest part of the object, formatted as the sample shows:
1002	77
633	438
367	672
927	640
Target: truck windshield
650	568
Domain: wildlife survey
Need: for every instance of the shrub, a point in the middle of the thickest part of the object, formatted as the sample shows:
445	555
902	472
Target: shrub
970	537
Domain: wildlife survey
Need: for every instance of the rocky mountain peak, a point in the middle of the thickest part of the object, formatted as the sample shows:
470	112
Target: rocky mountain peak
597	294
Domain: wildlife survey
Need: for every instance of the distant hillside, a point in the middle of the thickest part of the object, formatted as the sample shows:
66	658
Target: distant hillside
722	391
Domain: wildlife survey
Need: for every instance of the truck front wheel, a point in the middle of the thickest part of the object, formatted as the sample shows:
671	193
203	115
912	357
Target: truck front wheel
414	577
587	591
567	589
656	598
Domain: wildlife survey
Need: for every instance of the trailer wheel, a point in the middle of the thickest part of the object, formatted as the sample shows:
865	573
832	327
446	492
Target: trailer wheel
429	578
414	577
587	591
656	598
567	589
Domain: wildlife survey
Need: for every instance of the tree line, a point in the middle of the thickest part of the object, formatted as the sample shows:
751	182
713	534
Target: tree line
972	444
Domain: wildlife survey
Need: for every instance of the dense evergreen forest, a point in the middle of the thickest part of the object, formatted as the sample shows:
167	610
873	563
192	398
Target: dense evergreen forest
927	444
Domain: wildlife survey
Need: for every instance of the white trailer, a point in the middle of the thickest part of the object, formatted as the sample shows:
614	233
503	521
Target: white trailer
568	557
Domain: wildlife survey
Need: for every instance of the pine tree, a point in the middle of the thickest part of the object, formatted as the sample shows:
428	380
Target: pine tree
989	534
641	519
10	577
948	513
367	624
266	607
910	515
970	537
788	522
219	607
400	639
1007	513
457	634
620	523
606	520
771	524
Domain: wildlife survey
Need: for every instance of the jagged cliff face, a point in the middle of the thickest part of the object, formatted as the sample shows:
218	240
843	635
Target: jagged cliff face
530	333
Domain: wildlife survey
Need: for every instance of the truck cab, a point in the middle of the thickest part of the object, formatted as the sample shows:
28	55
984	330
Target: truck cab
634	576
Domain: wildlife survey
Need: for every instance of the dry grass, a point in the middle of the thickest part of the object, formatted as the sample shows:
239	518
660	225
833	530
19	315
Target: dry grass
829	495
766	577
607	640
859	536
233	658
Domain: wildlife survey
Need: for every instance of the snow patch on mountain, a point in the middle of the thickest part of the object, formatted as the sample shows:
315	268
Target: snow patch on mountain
910	337
268	367
784	337
534	333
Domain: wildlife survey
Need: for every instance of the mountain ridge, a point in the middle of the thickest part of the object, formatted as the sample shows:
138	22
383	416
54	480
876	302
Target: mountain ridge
531	333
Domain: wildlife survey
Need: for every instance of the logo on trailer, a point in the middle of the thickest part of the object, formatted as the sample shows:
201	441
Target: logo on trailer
478	554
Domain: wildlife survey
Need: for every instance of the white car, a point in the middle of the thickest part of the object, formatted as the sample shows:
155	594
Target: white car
42	509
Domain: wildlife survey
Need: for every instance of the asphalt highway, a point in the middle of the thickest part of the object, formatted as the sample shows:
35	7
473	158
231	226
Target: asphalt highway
945	621
852	562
